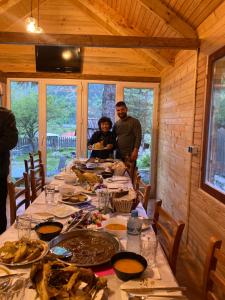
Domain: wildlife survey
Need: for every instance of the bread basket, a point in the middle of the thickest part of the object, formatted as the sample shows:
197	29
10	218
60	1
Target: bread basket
124	205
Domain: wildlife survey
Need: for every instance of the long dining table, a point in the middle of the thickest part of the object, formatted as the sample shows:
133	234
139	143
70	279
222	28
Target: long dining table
161	274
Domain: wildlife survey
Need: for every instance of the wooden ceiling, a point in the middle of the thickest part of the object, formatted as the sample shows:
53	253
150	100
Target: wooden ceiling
143	18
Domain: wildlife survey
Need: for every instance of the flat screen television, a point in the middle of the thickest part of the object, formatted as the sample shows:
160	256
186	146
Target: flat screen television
58	59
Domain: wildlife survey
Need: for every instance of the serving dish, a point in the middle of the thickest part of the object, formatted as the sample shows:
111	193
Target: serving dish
126	272
25	261
48	230
70	201
89	247
63	211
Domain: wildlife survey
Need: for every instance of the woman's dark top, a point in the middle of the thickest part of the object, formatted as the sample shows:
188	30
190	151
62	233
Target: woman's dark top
107	138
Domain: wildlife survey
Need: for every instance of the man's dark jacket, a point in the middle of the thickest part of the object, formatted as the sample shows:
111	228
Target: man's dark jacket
8	139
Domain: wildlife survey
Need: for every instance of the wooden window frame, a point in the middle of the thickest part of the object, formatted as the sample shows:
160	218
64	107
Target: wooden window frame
206	187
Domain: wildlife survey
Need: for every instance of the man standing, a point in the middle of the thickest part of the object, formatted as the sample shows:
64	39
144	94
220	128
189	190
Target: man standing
128	132
8	140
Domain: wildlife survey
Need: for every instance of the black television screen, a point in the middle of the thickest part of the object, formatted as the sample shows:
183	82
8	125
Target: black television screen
58	59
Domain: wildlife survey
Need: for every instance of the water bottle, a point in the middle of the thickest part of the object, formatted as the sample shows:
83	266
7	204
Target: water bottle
134	225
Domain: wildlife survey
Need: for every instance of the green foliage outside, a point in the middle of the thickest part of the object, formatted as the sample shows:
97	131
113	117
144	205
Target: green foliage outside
219	108
144	161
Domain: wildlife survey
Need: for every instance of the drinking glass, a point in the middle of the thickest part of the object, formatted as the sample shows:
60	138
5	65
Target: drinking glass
103	200
149	244
23	225
50	194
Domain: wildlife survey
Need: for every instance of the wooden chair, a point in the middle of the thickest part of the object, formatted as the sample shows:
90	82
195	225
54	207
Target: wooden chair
214	281
33	162
169	233
19	194
143	191
37	181
130	168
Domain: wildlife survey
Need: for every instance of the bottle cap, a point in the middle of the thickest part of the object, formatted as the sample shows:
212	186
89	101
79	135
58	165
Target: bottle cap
134	213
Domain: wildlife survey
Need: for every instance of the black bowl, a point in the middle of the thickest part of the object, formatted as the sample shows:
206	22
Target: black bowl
106	174
127	276
47	236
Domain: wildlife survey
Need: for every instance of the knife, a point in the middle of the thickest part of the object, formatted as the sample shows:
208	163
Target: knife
152	289
146	297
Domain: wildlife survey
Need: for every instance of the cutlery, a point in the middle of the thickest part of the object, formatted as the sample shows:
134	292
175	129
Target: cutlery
152	289
151	297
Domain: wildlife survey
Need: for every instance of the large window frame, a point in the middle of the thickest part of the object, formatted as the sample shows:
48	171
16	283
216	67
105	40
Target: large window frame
207	126
82	112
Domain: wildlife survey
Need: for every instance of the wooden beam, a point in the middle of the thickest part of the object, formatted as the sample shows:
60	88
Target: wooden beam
80	76
170	17
115	24
100	41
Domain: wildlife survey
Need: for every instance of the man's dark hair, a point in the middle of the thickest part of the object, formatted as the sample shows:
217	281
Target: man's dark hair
104	120
121	103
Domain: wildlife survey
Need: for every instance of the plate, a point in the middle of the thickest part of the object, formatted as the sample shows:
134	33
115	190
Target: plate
4	271
32	294
63	211
77	203
90	247
26	262
59	177
118	178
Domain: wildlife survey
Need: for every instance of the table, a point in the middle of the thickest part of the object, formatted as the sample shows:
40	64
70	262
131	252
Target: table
113	282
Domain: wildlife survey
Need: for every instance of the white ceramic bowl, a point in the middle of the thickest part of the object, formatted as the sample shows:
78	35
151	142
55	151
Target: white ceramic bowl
120	233
70	178
66	190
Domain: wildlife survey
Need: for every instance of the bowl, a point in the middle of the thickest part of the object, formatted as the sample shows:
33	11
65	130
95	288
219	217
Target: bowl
107	174
48	230
116	226
70	178
128	265
66	190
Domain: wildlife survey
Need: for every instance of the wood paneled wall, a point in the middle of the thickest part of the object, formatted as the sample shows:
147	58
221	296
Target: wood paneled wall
206	216
175	133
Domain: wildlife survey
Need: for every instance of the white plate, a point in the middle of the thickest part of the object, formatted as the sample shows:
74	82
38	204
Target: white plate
77	203
118	178
4	271
59	177
25	262
62	211
32	295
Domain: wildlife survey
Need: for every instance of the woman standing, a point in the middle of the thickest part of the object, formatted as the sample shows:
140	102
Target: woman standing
102	141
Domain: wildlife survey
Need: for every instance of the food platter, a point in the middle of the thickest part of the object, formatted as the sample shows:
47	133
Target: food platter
89	247
71	202
25	261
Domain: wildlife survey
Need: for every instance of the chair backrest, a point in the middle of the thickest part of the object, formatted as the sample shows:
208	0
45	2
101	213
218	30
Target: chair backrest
33	162
37	181
143	191
19	194
130	167
169	232
214	281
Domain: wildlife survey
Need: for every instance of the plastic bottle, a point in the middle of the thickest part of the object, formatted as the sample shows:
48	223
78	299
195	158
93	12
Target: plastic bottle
134	225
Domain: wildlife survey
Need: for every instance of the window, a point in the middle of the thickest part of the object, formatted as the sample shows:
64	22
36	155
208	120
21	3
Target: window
213	177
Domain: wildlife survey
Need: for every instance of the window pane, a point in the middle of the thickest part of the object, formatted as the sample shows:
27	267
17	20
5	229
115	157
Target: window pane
101	102
24	104
215	168
140	106
61	126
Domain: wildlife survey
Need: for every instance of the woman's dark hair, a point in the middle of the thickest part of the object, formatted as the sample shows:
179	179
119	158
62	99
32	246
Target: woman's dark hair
104	120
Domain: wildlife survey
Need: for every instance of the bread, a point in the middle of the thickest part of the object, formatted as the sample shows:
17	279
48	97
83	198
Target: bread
98	146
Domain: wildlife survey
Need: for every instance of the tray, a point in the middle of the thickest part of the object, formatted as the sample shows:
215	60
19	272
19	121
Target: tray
90	247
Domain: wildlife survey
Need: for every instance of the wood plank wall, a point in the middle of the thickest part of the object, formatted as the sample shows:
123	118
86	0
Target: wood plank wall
206	215
176	112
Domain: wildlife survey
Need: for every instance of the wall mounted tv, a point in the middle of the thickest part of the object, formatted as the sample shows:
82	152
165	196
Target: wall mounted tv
58	59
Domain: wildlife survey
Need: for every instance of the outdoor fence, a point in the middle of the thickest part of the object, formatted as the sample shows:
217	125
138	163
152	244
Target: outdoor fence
53	142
